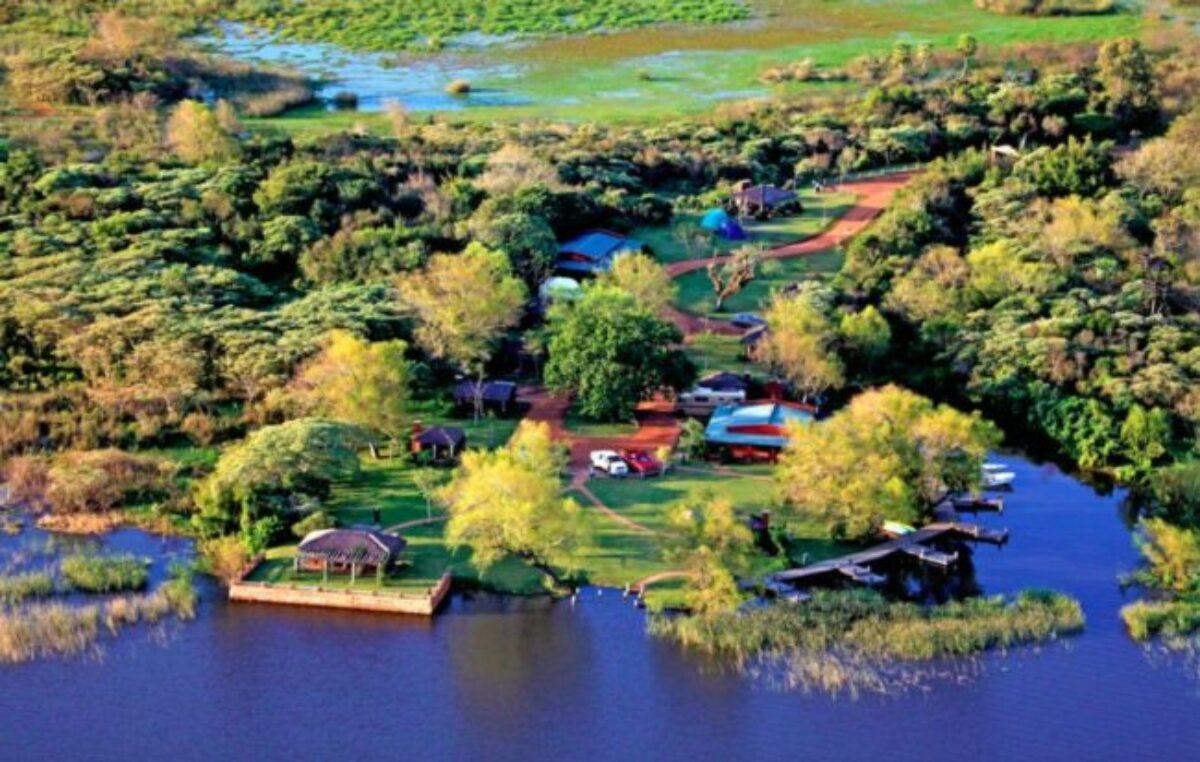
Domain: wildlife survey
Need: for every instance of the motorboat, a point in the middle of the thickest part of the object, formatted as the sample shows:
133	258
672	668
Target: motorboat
997	475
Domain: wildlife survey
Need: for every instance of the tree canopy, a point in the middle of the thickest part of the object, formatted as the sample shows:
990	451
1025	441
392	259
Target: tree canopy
613	352
889	454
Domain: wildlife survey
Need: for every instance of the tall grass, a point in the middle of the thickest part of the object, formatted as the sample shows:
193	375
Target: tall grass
57	629
52	629
1174	620
93	573
15	588
847	640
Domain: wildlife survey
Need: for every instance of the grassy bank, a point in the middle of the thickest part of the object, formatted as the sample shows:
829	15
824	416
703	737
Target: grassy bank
1175	620
93	573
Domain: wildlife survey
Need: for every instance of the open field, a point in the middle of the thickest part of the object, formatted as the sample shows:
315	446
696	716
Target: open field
696	293
820	209
650	73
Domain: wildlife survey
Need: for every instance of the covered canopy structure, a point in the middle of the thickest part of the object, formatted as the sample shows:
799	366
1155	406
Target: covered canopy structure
499	395
348	550
762	199
594	252
441	442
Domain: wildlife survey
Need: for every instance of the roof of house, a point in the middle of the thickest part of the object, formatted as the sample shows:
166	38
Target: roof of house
594	250
352	545
761	424
441	436
724	382
490	391
764	195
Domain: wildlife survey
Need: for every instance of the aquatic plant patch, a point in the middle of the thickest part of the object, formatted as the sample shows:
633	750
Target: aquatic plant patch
102	574
385	25
853	641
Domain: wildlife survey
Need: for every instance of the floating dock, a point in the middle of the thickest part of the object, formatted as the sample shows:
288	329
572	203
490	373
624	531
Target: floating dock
856	566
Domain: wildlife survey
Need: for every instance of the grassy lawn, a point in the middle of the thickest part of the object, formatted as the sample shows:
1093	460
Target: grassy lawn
714	352
696	293
820	210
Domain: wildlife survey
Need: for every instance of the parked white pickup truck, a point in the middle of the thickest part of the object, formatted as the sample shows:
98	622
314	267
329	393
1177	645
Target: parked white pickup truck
609	462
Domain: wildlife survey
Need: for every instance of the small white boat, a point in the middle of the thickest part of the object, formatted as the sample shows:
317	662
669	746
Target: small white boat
997	475
897	529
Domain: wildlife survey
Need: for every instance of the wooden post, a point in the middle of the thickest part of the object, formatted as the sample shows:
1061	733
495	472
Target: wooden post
325	571
353	572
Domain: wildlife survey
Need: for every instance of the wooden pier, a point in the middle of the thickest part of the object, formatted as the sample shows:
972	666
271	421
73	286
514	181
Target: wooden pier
856	566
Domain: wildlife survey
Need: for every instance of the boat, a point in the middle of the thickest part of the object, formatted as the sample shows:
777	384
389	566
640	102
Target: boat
997	475
897	529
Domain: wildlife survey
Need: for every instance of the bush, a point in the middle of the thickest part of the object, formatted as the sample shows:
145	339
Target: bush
224	557
311	523
103	574
17	587
459	87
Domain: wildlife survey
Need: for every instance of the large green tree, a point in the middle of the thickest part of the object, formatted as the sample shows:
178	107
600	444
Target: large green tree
613	352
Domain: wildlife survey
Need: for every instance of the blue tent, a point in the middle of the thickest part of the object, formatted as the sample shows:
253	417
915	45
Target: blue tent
732	231
713	219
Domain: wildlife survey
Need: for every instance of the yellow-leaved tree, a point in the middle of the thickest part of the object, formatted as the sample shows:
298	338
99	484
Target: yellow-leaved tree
360	382
889	454
463	303
712	545
509	502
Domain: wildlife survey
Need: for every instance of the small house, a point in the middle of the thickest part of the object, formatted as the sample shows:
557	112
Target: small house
724	381
764	200
438	443
499	396
756	431
348	550
751	339
594	252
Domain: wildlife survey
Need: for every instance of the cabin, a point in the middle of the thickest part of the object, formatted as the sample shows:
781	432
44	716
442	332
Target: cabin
594	252
754	432
499	396
762	201
348	550
440	444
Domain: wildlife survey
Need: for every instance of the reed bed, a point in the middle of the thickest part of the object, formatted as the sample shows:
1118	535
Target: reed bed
91	573
853	640
1174	620
46	630
15	588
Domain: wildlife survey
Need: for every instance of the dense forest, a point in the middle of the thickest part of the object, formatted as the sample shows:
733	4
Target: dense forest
171	279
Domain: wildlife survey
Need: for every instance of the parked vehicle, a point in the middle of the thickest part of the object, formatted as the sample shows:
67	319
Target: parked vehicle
997	475
701	402
641	462
609	462
747	320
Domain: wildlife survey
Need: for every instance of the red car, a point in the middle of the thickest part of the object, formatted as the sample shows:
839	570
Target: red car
641	462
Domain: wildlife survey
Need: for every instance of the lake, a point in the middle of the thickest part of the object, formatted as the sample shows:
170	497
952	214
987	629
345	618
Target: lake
530	679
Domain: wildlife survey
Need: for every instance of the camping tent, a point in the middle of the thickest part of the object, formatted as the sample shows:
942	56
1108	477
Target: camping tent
559	288
732	231
713	219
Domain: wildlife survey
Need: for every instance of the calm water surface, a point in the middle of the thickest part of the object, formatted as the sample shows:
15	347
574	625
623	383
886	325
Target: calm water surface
496	679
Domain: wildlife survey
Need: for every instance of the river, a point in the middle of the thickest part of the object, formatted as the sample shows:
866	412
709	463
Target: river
529	679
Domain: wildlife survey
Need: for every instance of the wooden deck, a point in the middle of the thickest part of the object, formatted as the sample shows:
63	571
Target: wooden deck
856	566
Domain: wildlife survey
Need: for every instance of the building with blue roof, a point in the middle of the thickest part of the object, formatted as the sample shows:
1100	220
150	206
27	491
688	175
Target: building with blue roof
593	252
757	431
